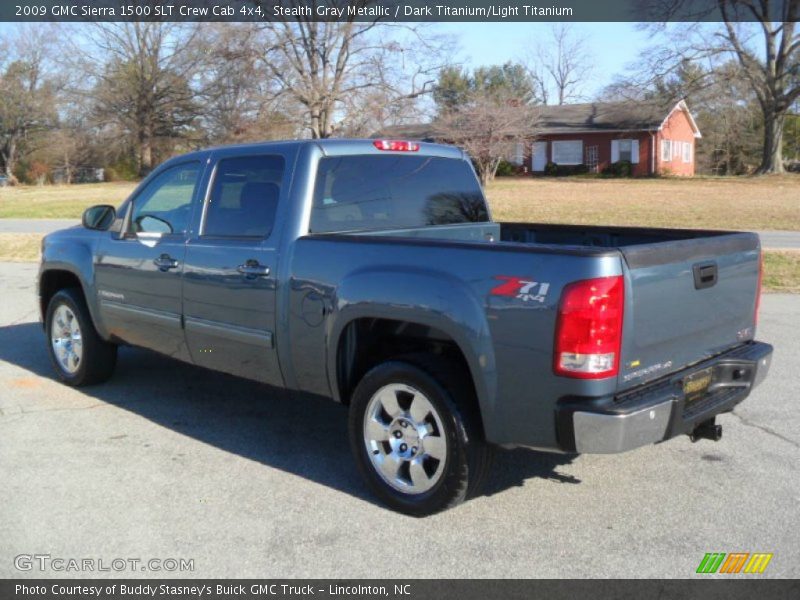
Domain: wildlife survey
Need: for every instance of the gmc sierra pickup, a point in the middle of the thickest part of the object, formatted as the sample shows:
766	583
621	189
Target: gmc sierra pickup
370	271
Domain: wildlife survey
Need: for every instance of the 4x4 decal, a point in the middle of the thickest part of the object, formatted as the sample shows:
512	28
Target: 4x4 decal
523	289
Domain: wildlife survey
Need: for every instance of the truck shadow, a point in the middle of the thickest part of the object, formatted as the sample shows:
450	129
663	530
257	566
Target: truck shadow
302	434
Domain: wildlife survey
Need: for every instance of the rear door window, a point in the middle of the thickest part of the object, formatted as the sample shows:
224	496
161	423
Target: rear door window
244	197
362	193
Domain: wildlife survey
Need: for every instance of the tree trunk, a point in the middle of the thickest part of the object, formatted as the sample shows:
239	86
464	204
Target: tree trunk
772	154
145	151
483	174
10	162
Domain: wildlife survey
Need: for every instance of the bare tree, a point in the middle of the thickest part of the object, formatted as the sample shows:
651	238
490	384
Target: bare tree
325	66
767	51
238	92
773	75
560	66
27	95
140	79
488	129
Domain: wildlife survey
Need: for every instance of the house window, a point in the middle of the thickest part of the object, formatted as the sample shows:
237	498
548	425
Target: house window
516	157
687	152
626	150
568	152
666	150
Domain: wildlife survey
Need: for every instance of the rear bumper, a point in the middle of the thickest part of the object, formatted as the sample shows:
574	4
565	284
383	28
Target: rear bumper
660	410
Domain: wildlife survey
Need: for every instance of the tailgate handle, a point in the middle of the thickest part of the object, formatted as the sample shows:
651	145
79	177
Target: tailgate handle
705	275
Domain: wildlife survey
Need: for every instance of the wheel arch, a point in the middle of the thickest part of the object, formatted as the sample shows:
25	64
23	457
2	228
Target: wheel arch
375	322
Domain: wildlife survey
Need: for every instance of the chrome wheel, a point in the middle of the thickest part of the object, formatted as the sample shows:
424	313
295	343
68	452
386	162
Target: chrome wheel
405	438
65	336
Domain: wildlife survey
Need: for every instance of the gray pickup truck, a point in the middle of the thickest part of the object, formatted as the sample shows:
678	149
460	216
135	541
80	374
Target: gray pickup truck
370	271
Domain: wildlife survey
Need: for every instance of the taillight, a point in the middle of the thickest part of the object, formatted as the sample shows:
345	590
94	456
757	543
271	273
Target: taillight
396	145
758	289
589	328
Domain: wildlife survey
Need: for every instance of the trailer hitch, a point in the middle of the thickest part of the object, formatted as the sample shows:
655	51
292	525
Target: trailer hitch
707	430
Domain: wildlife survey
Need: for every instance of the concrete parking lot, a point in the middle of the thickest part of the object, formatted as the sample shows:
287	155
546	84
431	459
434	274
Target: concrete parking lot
171	461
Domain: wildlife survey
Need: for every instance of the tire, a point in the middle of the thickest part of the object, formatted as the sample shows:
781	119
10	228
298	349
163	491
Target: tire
426	453
79	356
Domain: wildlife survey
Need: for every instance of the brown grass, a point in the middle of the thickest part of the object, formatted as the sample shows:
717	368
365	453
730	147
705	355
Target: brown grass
782	271
749	203
20	247
58	201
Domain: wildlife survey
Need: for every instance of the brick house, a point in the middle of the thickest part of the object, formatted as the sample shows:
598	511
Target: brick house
658	140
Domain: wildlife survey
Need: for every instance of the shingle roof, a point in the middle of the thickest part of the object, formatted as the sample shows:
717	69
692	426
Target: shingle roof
629	116
569	118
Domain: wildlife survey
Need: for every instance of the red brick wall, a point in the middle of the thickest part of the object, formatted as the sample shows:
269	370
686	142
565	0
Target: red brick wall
603	143
676	129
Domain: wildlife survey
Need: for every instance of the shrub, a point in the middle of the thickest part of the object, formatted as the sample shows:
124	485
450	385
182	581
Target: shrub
505	169
122	170
621	168
554	170
35	172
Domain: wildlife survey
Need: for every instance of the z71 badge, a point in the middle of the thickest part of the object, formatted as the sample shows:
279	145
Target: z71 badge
523	289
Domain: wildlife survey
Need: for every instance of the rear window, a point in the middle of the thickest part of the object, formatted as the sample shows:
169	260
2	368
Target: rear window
244	197
394	191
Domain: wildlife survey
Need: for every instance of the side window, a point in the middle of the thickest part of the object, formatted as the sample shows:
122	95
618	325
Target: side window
165	205
244	197
626	150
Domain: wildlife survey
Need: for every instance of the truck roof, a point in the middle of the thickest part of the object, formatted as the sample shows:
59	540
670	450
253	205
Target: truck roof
338	147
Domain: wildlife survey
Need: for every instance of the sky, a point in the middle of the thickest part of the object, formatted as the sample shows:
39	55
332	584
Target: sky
612	45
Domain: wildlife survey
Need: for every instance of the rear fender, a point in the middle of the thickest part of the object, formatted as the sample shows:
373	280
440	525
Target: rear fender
426	297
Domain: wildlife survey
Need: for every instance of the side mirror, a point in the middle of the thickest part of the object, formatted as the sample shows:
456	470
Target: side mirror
99	217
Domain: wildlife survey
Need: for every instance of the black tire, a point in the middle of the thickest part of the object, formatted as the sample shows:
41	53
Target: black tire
468	456
98	356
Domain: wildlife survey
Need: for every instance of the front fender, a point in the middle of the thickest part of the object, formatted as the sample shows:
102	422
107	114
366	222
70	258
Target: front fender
73	251
426	297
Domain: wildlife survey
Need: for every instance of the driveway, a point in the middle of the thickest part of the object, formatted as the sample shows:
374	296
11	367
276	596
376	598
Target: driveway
171	461
35	225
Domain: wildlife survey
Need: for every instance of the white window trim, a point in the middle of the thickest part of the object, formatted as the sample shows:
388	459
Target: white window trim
517	157
554	151
666	150
686	155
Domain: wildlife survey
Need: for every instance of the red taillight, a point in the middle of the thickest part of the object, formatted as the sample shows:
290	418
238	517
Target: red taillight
758	289
396	145
589	328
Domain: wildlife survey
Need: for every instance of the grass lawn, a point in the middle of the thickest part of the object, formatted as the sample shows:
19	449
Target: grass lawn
782	271
58	201
781	268
20	247
705	203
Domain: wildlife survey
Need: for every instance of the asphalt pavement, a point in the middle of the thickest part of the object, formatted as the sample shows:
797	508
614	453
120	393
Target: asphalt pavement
171	461
773	240
35	225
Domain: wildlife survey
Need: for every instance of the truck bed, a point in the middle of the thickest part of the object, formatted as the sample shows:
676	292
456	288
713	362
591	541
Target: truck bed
690	294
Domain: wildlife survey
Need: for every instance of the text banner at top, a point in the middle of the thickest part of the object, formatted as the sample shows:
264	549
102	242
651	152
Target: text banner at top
387	10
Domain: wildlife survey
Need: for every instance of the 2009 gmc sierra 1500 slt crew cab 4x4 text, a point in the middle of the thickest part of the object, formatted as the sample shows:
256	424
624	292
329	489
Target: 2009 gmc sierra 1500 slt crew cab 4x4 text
369	271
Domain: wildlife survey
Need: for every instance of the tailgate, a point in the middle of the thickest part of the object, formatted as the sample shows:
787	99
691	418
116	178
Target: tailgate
686	300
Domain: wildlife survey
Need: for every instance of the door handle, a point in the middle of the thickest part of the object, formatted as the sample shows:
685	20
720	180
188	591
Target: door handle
165	262
252	269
